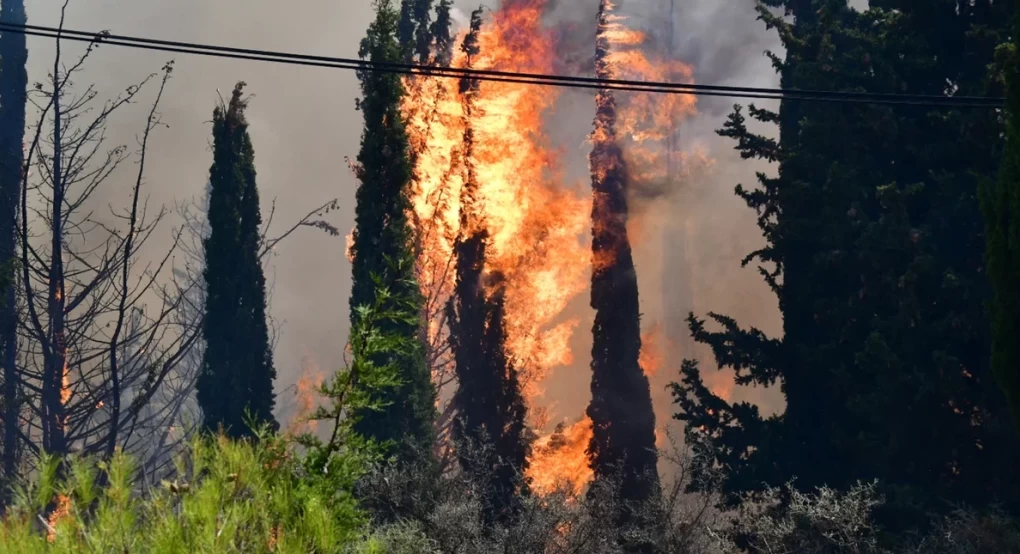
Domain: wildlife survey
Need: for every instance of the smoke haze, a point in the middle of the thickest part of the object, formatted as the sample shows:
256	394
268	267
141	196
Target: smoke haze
303	123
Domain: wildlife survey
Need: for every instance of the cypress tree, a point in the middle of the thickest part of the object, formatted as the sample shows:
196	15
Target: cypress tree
423	30
414	31
236	380
1000	203
491	424
873	247
382	245
406	30
440	30
623	444
13	87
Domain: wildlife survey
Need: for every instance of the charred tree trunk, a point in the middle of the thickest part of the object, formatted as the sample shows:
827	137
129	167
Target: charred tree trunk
13	87
55	386
623	446
491	423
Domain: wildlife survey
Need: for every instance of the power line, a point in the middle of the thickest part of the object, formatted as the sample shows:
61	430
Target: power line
507	76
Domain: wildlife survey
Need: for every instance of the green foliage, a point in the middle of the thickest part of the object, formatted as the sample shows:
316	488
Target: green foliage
873	247
382	250
364	387
1000	202
787	521
228	496
235	384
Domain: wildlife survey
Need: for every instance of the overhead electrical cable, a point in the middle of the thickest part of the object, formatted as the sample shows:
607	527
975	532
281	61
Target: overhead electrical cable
507	76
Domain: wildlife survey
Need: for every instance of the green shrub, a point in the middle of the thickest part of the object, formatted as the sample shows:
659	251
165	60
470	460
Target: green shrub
229	496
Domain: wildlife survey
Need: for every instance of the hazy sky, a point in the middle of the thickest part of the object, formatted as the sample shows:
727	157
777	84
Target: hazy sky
304	124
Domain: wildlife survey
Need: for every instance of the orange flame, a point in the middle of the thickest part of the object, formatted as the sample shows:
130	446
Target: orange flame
534	222
647	120
65	388
349	246
307	397
60	513
652	357
559	461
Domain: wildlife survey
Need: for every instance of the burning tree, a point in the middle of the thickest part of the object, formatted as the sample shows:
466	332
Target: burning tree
490	426
531	220
623	444
236	381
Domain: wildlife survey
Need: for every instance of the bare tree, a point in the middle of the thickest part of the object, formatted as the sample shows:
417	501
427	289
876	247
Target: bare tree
101	340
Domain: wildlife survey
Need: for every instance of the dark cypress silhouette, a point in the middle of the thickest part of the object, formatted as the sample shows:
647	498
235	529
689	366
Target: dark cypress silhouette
406	31
623	445
382	246
440	31
1001	206
13	86
415	31
237	374
874	242
491	424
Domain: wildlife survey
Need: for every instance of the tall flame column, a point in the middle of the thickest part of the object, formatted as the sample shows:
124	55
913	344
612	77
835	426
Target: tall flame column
623	445
491	423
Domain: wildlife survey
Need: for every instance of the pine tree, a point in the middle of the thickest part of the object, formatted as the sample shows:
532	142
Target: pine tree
491	424
1000	203
13	87
873	245
623	444
236	381
382	242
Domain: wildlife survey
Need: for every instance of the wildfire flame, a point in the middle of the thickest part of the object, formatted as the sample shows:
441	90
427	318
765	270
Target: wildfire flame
647	120
349	246
60	513
533	221
559	461
65	388
307	397
652	356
